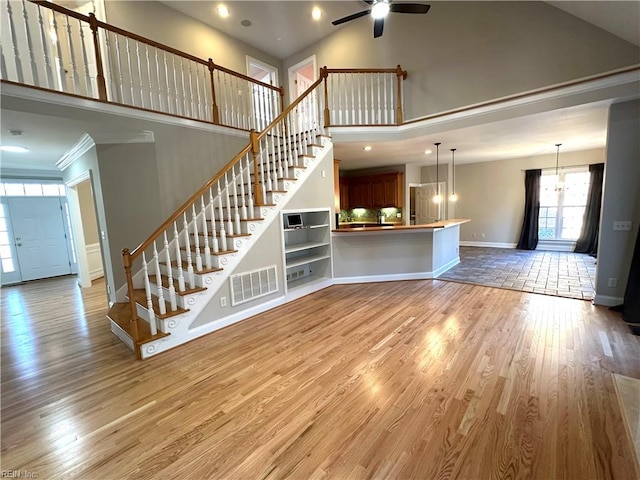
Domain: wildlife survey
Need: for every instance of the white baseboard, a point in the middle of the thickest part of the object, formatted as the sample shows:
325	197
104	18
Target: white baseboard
487	244
607	301
445	267
394	277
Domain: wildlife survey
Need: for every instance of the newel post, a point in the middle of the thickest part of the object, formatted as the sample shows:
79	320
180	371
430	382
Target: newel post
255	152
400	76
214	114
102	84
126	260
327	117
281	91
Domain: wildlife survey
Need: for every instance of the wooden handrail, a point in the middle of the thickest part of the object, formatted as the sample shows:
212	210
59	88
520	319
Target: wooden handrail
150	42
366	70
280	117
136	252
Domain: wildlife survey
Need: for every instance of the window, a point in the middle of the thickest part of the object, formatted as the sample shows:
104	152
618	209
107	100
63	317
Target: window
561	211
27	189
5	246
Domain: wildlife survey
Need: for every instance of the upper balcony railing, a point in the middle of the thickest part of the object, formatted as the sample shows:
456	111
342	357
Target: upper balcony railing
51	47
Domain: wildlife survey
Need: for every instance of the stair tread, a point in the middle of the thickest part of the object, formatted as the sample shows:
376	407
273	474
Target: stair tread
165	284
141	299
203	271
120	313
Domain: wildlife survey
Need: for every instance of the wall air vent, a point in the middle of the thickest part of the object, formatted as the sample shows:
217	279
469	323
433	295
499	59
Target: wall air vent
254	284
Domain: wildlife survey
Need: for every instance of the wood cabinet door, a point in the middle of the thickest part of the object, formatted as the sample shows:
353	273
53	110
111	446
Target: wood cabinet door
359	193
378	192
344	193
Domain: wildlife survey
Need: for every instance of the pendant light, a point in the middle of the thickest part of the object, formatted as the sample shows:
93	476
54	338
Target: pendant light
437	198
559	185
454	196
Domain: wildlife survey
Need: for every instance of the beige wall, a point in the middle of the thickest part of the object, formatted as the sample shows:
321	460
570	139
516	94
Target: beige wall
467	52
88	213
491	194
158	22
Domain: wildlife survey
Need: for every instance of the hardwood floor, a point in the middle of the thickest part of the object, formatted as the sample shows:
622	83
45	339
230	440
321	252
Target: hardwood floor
420	379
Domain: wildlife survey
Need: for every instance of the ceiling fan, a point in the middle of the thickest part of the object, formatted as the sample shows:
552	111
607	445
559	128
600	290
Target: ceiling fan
380	9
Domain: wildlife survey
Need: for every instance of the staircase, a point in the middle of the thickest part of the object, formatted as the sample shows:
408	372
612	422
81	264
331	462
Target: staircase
174	274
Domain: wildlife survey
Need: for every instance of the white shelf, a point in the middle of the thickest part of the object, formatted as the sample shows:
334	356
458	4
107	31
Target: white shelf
306	227
296	262
304	246
304	281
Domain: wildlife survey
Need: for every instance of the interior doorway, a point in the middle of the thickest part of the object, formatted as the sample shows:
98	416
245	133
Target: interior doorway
422	208
263	101
301	76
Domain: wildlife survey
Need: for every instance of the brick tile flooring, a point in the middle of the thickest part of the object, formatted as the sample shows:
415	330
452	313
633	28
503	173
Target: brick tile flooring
563	274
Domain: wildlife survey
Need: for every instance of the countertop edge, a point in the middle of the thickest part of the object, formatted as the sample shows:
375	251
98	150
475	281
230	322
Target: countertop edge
427	227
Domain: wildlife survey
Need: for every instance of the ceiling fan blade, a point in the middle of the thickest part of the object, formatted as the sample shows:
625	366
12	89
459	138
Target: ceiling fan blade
378	26
368	1
409	8
348	18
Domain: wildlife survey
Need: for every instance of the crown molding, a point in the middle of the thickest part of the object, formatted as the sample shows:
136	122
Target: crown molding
109	138
82	146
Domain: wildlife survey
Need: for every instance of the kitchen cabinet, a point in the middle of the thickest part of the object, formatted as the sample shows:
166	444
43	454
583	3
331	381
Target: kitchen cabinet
373	191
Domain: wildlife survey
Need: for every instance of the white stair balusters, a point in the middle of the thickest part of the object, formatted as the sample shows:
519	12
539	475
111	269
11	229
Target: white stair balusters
227	195
250	204
44	42
34	68
236	199
85	62
205	234
176	239
214	237
191	279
223	233
172	288
14	41
243	192
147	290
162	307
196	238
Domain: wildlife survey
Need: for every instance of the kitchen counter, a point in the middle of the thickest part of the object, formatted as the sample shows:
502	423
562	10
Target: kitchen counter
398	252
373	227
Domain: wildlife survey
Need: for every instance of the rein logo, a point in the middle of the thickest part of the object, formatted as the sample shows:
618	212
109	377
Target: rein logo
17	474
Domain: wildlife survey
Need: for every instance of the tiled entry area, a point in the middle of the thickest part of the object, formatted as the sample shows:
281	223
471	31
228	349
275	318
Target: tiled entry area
562	274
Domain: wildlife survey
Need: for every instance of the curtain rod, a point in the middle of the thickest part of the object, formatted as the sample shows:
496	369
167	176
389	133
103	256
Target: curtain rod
561	167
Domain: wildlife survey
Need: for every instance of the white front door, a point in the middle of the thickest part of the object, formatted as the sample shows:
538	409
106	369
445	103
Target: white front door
40	236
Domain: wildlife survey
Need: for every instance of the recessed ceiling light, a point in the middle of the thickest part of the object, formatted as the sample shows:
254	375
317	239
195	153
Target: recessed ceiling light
367	148
316	13
13	149
428	152
222	10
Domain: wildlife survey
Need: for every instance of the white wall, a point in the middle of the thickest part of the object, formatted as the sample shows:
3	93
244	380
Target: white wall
462	53
621	201
491	194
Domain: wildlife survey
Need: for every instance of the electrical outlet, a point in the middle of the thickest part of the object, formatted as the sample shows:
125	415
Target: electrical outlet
474	235
324	174
398	215
223	301
622	225
613	282
482	235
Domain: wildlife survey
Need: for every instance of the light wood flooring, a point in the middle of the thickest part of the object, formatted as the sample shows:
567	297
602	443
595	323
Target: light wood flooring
407	380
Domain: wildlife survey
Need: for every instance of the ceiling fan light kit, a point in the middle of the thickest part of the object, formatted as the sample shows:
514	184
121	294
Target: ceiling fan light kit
380	9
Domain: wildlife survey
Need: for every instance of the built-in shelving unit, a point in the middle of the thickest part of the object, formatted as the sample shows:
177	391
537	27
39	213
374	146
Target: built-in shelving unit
307	250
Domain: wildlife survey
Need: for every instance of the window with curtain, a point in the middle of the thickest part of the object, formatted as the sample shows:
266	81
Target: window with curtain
562	211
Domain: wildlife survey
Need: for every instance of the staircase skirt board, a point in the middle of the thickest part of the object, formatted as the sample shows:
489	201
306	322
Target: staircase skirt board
175	326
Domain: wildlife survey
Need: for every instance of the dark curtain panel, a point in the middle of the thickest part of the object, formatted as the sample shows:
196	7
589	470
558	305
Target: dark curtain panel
588	241
529	234
631	311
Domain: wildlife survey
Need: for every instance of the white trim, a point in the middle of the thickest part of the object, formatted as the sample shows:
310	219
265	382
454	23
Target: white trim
94	258
264	65
556	245
393	277
79	179
121	334
439	271
109	138
290	71
464	243
82	146
607	301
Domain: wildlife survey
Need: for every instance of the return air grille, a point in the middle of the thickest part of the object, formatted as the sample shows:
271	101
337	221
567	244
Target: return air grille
254	284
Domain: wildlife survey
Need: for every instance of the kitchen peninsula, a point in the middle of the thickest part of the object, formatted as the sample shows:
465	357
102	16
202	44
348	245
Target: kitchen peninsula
399	252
